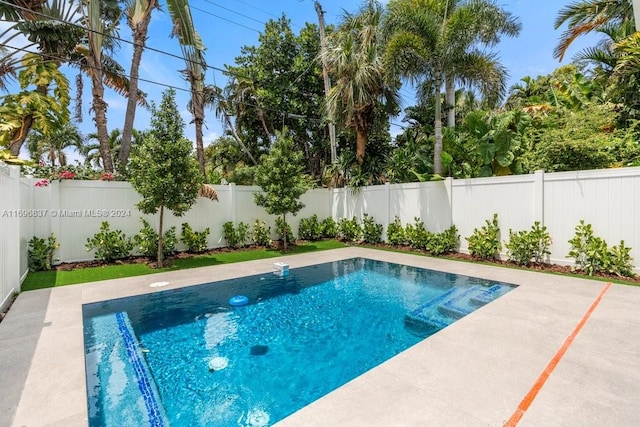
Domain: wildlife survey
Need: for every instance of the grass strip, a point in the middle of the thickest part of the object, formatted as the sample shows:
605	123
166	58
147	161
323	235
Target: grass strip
51	279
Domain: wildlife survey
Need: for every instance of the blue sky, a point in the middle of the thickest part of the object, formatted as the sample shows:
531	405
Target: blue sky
528	54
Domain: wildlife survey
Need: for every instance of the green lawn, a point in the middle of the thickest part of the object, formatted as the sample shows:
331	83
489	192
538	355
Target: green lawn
50	279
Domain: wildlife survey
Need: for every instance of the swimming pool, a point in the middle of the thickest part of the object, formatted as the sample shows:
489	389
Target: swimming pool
186	357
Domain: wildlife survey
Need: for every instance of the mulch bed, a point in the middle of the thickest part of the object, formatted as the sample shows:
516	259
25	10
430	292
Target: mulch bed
545	268
548	268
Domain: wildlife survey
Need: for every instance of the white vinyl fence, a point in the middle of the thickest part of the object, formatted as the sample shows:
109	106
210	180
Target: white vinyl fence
73	210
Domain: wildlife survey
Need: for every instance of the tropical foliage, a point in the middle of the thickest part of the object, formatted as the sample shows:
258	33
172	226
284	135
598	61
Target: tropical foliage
465	123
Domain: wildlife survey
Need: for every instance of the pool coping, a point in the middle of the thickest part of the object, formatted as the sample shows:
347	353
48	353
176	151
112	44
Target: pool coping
474	372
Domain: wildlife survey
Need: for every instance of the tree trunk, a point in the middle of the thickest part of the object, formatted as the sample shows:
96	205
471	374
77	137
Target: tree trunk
160	238
20	135
437	148
197	103
450	88
361	144
139	38
100	111
284	237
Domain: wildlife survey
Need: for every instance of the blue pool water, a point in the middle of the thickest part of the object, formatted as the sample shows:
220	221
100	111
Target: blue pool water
186	357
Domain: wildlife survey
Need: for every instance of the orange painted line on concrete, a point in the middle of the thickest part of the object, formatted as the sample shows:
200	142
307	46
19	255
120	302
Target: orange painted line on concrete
530	397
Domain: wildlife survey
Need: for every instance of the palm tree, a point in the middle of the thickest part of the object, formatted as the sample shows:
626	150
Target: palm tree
354	57
138	14
586	16
214	97
52	144
193	52
433	42
97	28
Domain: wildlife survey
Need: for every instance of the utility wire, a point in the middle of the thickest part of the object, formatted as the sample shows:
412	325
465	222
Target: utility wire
224	19
235	12
233	101
152	49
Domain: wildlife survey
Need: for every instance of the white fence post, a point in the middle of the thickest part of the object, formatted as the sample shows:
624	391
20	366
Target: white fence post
233	202
9	233
538	194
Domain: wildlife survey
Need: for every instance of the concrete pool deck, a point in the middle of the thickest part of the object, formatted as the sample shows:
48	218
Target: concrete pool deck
477	372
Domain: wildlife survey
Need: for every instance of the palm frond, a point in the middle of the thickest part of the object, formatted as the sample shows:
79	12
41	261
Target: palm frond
206	190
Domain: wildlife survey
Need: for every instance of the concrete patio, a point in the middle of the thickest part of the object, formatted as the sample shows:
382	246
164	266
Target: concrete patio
475	372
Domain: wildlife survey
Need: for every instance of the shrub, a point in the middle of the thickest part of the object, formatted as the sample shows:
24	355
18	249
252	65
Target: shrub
310	228
525	246
371	231
416	235
395	233
329	228
485	243
242	234
196	241
261	234
236	236
147	240
350	230
230	234
109	245
444	242
40	252
280	230
591	253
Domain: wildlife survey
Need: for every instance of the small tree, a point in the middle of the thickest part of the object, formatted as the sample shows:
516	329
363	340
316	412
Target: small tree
163	170
281	179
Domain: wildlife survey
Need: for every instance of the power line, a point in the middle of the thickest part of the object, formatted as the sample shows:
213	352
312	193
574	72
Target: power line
233	101
264	11
235	12
224	19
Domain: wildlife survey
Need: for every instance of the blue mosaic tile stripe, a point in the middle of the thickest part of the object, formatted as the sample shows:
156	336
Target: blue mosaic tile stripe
144	383
487	296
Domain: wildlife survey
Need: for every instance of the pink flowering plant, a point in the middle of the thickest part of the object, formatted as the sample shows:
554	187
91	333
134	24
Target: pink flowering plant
42	183
78	171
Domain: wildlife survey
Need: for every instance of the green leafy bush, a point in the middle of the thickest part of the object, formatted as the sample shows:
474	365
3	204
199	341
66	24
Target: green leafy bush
280	230
196	241
40	252
371	231
444	242
591	253
526	246
109	245
147	240
310	228
261	234
329	228
350	230
417	236
236	236
230	234
395	233
242	234
485	242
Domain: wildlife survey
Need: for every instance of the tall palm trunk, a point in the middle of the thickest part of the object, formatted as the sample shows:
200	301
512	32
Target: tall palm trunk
139	25
197	101
361	144
100	111
450	96
95	27
437	148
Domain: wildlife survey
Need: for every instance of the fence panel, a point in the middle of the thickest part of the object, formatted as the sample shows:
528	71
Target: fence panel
609	200
10	248
476	200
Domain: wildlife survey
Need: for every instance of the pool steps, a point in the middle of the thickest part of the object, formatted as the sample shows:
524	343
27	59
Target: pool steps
130	372
454	304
